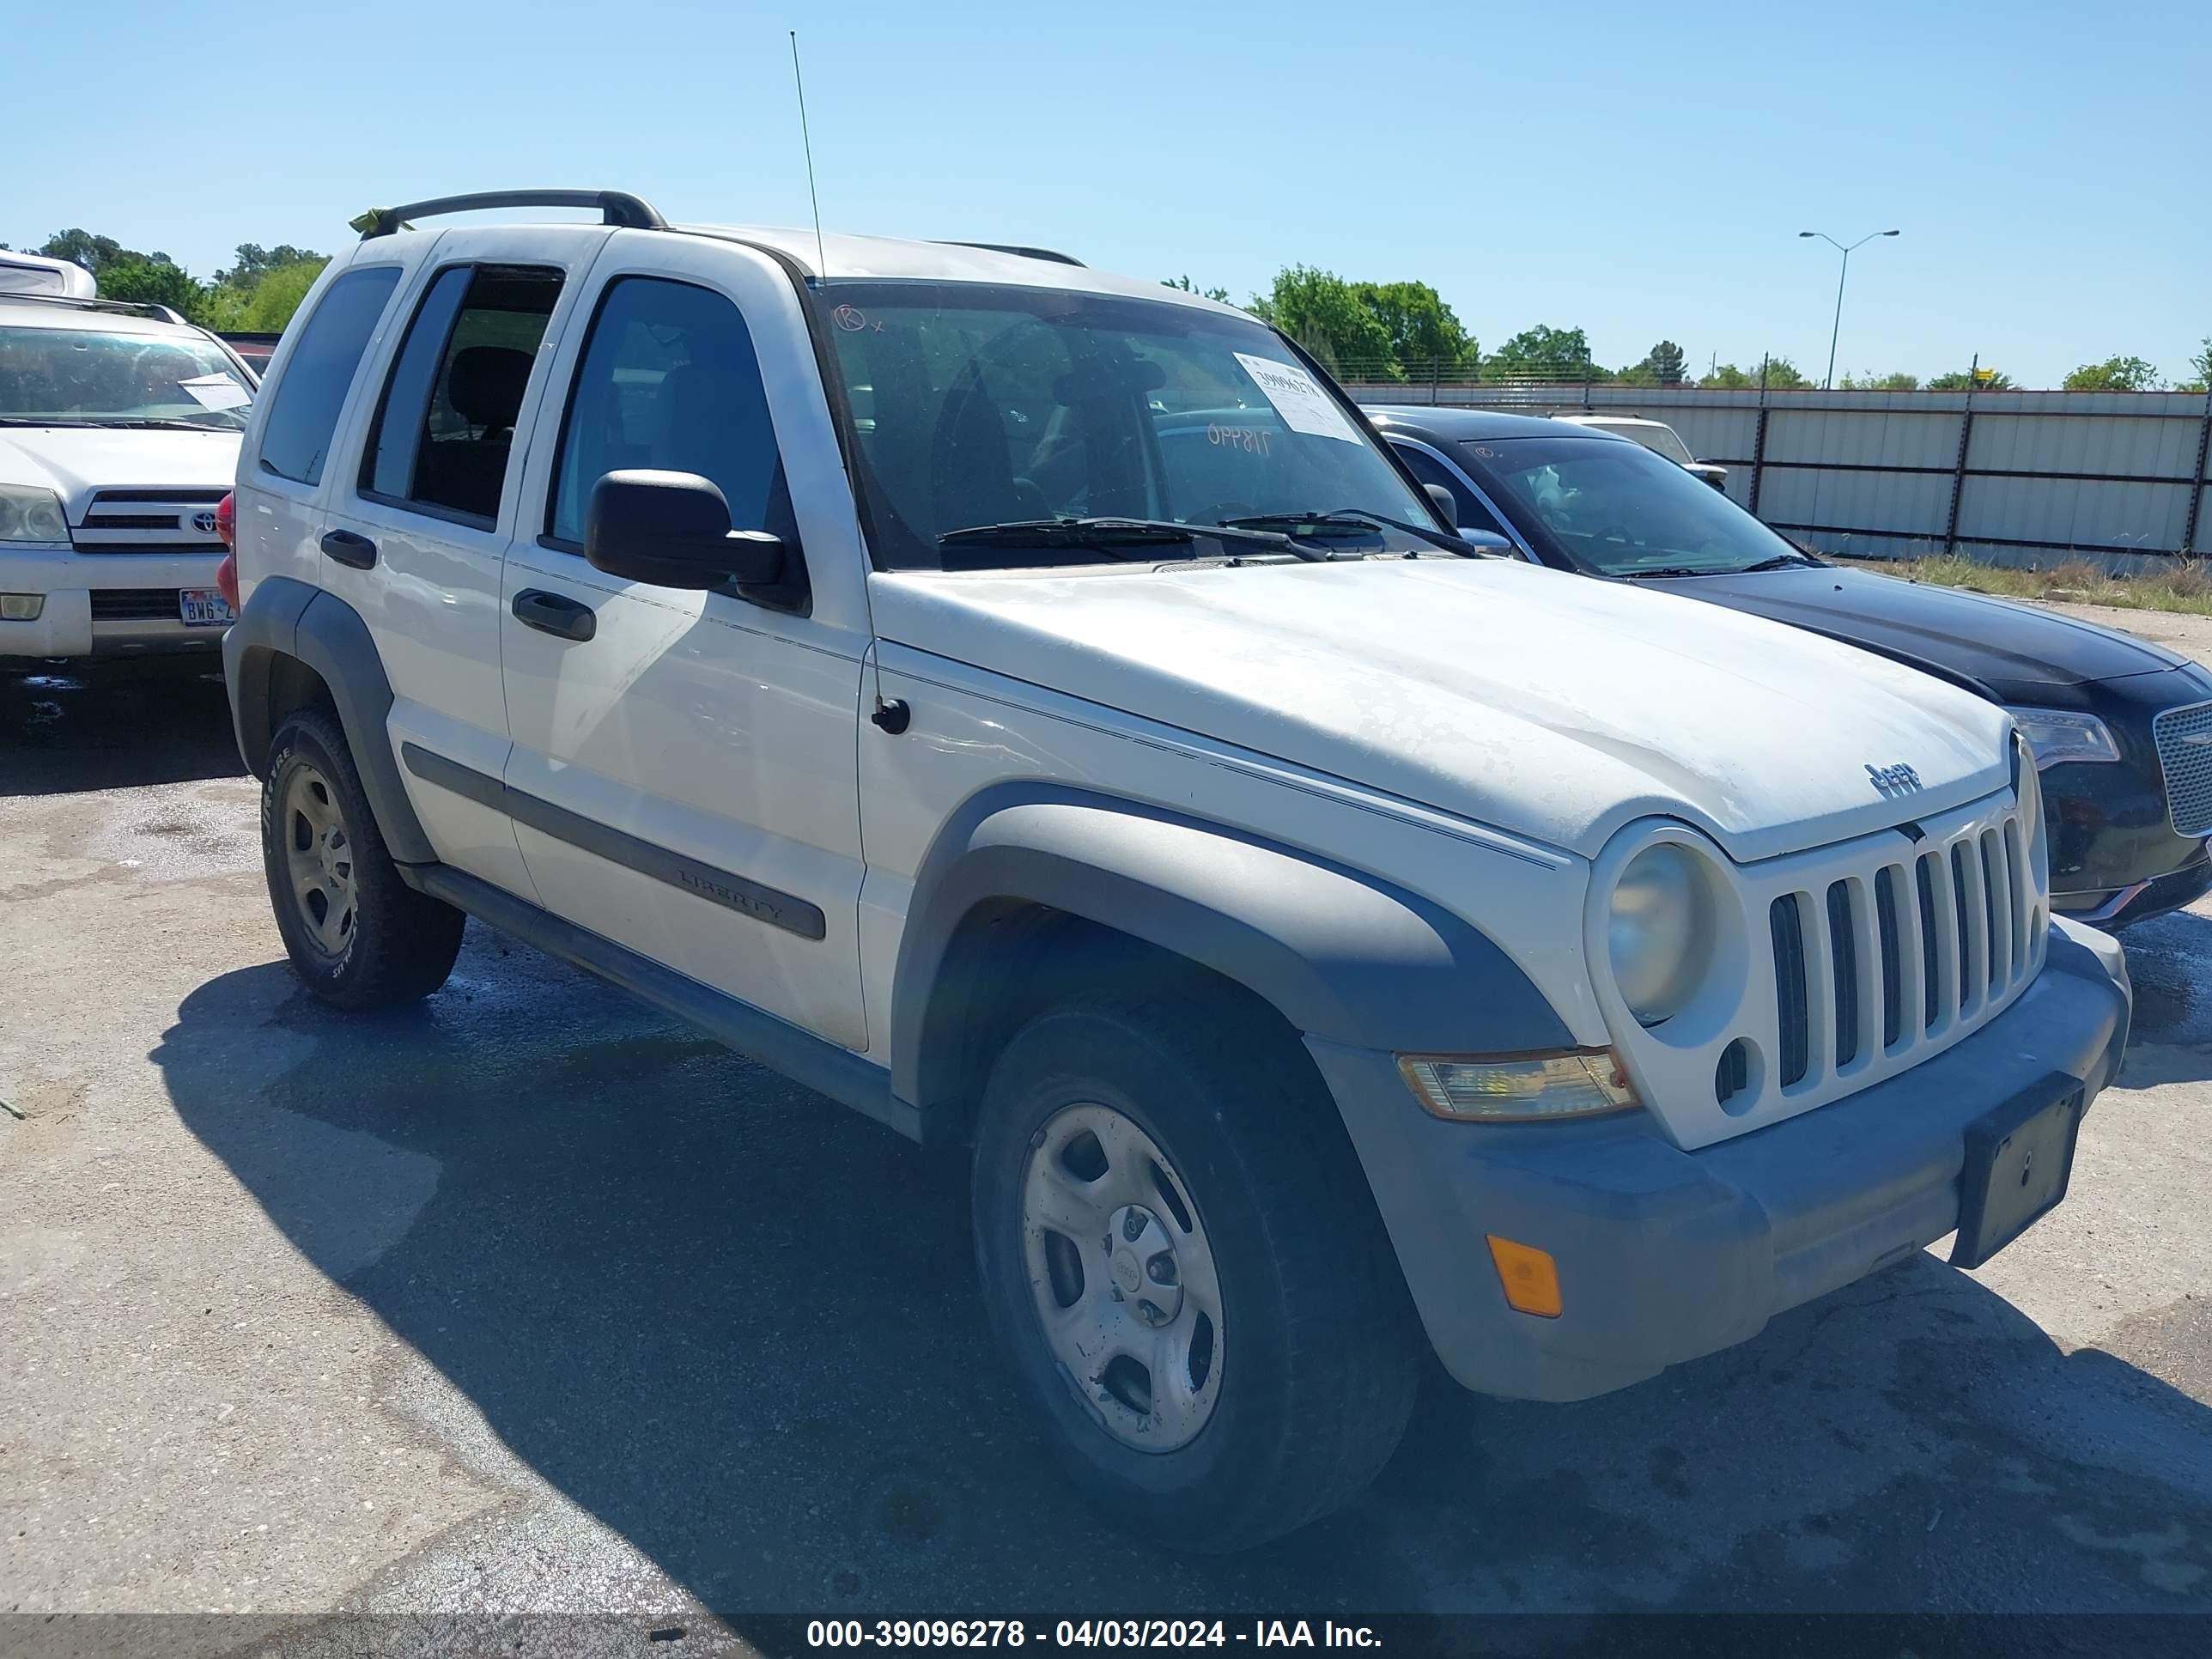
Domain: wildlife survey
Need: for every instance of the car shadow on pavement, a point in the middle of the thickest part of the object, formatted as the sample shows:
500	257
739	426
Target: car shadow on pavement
67	732
740	1327
2169	963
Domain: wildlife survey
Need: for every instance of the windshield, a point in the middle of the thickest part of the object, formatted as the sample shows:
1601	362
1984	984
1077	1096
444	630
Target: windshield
975	405
1619	509
79	377
1659	440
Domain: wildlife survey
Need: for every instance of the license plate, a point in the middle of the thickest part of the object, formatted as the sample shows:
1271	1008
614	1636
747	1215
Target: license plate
2018	1159
204	607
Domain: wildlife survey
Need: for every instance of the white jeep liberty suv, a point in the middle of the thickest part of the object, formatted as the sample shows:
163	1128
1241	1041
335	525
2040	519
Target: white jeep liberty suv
1031	706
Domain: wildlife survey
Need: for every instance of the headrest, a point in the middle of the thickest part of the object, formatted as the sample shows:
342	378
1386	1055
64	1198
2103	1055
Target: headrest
486	385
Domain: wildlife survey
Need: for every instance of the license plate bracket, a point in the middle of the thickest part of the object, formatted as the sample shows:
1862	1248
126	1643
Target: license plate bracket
2019	1156
204	607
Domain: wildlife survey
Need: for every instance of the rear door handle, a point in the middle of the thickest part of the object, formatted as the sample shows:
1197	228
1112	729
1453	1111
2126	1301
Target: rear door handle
349	548
554	613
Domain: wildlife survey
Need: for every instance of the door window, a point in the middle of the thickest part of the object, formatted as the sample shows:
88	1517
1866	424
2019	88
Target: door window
303	417
669	381
1472	514
446	428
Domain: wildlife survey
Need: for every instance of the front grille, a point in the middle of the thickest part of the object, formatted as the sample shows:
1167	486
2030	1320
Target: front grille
1858	973
125	521
2183	736
133	603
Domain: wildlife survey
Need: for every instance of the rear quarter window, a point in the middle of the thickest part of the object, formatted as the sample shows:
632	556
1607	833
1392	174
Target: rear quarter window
303	416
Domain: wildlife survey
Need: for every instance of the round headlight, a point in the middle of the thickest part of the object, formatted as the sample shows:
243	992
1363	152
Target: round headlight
1660	933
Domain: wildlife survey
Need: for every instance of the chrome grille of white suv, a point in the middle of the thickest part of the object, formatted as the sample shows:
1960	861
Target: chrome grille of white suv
1857	962
2184	756
149	521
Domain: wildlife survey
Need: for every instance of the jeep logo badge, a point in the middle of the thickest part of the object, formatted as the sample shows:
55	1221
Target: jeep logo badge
1898	780
204	523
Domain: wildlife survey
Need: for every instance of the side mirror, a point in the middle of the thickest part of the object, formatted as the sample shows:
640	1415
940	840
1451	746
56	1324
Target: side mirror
1447	507
672	529
1489	541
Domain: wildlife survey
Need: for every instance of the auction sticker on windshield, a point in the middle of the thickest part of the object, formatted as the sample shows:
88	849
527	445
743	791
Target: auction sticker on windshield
1302	404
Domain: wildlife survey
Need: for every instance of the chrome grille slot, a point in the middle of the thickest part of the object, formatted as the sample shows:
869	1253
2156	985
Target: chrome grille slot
1794	1048
2183	736
1892	970
1843	953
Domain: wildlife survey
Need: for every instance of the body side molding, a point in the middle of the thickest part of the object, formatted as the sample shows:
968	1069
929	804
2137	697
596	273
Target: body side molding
748	897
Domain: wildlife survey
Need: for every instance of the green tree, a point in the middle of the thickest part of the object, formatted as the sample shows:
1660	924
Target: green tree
1989	379
2114	374
1781	374
269	306
1321	312
153	281
2200	369
1425	335
1542	353
1664	363
95	253
1898	381
255	262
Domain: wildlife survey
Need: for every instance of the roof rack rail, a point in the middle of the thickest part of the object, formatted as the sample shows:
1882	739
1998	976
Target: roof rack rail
617	207
1023	252
159	313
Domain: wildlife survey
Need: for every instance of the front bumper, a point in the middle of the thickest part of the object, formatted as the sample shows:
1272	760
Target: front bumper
65	627
1665	1255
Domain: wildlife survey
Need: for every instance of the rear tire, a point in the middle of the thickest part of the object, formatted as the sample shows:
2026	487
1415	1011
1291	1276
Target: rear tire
1179	1250
358	936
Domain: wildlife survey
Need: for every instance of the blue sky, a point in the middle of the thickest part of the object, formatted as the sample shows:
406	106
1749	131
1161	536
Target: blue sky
1639	170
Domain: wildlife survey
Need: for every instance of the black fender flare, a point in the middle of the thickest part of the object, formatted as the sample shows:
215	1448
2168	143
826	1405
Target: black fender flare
1340	954
291	618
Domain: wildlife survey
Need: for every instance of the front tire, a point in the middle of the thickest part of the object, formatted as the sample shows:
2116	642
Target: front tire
358	936
1178	1249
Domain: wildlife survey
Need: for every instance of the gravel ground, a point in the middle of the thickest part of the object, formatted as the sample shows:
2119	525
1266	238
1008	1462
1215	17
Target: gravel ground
533	1304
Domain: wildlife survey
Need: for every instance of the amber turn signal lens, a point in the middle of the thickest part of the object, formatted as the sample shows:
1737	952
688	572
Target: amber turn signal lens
1530	1277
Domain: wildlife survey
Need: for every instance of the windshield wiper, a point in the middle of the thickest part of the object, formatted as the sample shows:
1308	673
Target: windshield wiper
1779	561
1669	570
1355	517
152	424
1111	532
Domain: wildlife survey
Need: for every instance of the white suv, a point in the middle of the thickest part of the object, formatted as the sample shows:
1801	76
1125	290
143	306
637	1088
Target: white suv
1030	707
118	438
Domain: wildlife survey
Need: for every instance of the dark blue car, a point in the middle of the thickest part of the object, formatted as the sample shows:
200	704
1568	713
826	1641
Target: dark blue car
2122	729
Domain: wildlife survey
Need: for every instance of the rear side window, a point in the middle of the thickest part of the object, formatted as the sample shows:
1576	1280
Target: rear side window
303	417
669	380
445	428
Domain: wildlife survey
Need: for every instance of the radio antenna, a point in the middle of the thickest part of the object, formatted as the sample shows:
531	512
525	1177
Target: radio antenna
804	138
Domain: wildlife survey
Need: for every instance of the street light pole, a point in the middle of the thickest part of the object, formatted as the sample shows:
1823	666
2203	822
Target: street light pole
1841	276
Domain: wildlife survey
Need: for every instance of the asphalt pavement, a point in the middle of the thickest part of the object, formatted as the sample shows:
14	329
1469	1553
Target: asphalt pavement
531	1302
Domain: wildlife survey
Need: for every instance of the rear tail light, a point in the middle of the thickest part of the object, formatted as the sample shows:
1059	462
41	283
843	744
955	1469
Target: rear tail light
226	579
226	521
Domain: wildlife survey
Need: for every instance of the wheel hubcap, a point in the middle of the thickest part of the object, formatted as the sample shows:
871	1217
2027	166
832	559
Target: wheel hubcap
318	861
1123	1277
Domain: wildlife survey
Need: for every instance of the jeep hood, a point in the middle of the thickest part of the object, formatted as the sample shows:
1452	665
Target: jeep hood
74	462
1533	700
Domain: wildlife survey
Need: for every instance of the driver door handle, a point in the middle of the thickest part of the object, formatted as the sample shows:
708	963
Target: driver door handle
349	548
554	613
